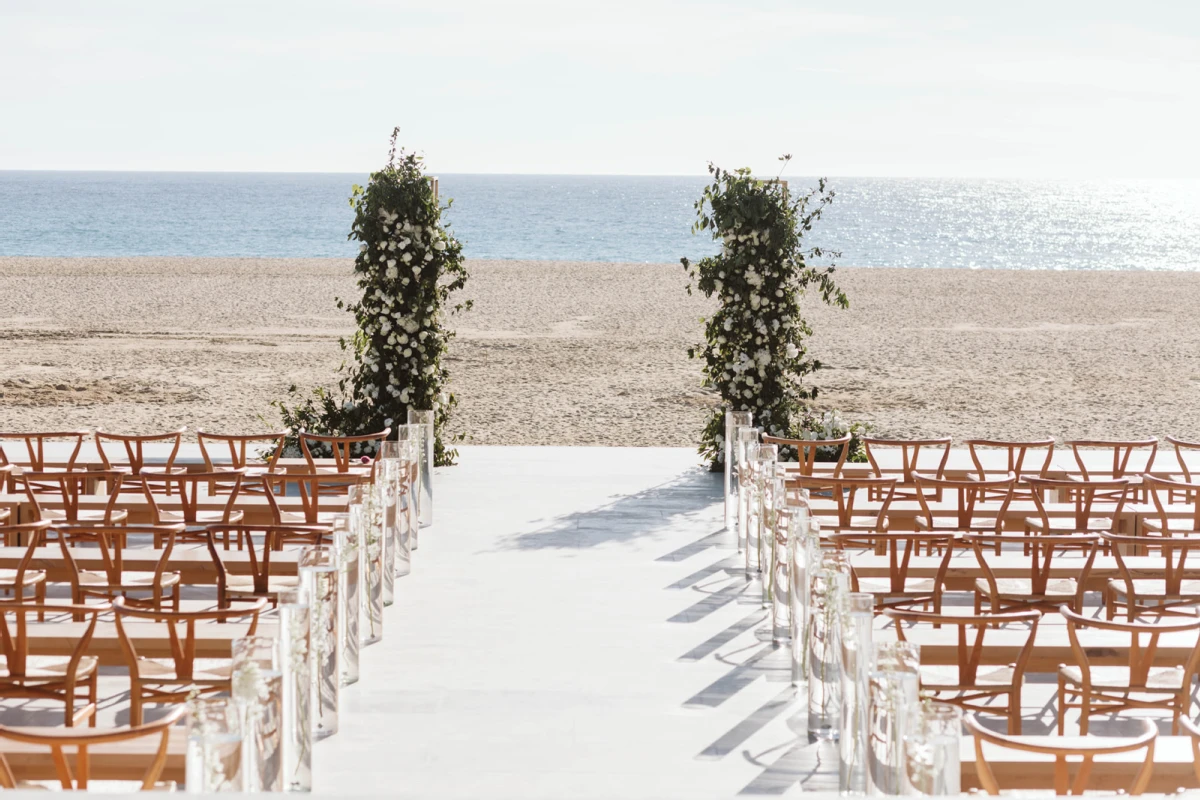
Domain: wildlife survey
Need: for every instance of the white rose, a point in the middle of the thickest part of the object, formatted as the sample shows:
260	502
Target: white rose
792	351
407	257
439	245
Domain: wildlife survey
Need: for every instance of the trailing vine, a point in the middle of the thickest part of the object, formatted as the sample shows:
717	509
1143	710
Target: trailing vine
756	355
408	268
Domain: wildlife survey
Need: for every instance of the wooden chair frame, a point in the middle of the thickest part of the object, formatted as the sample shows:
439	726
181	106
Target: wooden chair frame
1121	452
135	455
806	451
273	538
71	487
81	740
311	487
968	493
1175	551
900	548
34	533
1093	699
15	645
1188	494
339	446
1192	731
910	455
6	471
1040	549
845	492
112	559
973	696
1086	749
1017	452
1086	494
35	448
183	653
238	456
188	484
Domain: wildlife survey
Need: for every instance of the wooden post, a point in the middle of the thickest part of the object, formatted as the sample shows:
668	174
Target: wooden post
433	181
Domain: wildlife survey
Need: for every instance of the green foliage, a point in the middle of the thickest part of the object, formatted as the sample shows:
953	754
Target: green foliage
408	267
755	353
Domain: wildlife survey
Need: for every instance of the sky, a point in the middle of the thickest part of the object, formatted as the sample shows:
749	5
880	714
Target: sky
1050	88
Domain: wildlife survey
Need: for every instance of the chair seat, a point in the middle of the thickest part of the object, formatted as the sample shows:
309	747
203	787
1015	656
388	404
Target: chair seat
1165	679
1023	587
1068	525
1155	588
944	679
50	668
202	518
119	515
912	586
8	578
865	524
244	584
323	518
204	671
130	581
1173	526
987	524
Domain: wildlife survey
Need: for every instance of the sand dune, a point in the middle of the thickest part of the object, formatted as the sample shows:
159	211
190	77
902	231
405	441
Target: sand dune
571	353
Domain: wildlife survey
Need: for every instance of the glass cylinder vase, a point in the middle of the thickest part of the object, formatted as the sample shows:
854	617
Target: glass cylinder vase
411	438
824	655
371	624
386	475
932	747
747	438
407	522
855	638
213	761
348	532
892	694
257	686
804	542
778	582
319	579
295	637
425	497
766	459
733	420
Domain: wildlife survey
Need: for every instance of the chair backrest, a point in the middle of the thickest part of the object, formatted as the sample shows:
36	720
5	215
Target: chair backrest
311	486
900	547
1193	732
135	455
1062	748
237	447
808	449
183	649
67	488
1188	493
14	637
1175	550
846	492
1121	451
1143	634
75	540
269	539
188	485
968	493
1016	456
1091	497
81	739
35	448
1181	447
938	451
36	537
970	653
1041	549
342	447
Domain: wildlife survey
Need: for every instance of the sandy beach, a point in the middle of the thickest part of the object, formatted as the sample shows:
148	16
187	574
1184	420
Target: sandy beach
595	354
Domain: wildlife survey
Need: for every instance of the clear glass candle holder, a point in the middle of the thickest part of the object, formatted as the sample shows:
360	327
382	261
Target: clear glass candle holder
855	622
213	761
425	419
414	435
933	749
348	534
733	420
257	686
824	655
747	438
319	579
295	637
892	694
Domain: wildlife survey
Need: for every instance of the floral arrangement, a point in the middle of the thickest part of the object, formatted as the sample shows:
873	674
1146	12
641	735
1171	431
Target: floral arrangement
408	267
755	354
830	425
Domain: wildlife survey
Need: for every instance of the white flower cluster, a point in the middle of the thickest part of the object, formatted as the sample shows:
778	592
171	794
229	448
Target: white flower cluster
832	427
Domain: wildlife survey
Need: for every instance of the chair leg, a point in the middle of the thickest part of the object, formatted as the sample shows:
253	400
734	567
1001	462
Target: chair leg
69	700
1084	711
94	695
135	703
1062	705
39	595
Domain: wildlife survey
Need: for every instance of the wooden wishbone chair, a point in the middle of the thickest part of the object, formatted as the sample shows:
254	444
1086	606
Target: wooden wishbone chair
5	474
910	461
187	486
846	492
1182	447
135	452
261	542
310	488
1192	731
35	452
49	677
969	684
1109	689
1121	453
1172	593
170	680
898	589
16	582
344	449
1016	454
1181	496
62	505
109	579
1041	589
240	457
1098	505
83	740
969	495
807	451
1062	748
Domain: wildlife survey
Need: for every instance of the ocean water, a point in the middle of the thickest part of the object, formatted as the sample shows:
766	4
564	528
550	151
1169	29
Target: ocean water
915	222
